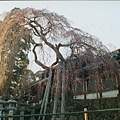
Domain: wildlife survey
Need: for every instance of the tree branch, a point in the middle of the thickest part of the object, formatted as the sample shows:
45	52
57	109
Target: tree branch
37	33
36	60
55	62
55	49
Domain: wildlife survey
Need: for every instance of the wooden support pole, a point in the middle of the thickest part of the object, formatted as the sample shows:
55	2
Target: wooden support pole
47	94
85	114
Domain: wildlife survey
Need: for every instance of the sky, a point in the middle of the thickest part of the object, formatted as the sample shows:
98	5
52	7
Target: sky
98	18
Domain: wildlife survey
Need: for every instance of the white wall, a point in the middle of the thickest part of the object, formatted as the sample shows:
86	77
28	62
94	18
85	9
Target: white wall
112	93
106	94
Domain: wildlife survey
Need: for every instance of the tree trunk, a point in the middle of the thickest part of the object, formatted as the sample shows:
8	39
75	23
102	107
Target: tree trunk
56	93
63	92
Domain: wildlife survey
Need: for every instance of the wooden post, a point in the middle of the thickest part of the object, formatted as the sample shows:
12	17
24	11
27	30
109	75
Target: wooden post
85	114
118	84
84	90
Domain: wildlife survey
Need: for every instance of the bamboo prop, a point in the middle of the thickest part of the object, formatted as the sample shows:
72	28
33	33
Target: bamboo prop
45	98
43	102
47	94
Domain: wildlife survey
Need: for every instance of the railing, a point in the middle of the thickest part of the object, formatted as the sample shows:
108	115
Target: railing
66	113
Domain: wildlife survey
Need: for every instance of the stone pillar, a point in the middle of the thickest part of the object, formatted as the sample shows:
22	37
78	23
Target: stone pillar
1	106
22	109
32	111
11	107
21	113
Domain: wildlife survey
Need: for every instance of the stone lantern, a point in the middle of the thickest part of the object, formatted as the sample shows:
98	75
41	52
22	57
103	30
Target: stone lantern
11	106
1	106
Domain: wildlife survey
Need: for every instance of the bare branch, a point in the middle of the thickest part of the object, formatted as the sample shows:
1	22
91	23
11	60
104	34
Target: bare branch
38	62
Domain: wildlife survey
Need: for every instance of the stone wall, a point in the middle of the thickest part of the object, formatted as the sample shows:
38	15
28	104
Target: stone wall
96	104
